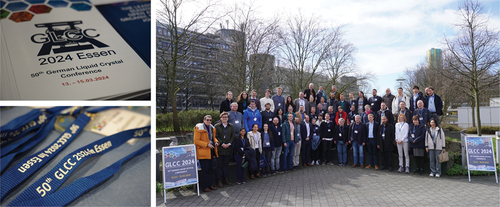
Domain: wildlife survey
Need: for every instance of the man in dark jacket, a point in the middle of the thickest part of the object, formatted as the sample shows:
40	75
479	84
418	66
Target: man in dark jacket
288	134
267	115
417	96
224	133
424	116
388	98
384	111
344	103
357	136
385	139
434	104
371	140
306	129
275	128
226	104
341	138
375	100
405	111
327	130
310	92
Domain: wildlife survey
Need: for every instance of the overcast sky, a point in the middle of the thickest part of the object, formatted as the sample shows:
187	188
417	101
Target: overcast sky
390	35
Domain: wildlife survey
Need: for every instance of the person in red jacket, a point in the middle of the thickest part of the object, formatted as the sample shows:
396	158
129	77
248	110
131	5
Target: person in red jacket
341	114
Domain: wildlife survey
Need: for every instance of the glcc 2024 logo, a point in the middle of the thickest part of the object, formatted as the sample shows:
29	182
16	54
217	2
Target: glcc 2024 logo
69	38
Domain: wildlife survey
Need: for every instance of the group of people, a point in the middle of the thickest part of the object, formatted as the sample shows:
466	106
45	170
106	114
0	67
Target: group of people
273	134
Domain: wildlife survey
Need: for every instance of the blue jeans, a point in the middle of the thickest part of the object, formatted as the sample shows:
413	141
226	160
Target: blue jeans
342	152
356	147
288	158
372	151
434	162
275	158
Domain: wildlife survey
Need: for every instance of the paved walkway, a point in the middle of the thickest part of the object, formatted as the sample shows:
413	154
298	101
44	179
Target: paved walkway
326	185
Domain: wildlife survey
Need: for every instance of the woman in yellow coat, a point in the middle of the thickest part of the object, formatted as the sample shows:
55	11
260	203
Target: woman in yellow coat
206	148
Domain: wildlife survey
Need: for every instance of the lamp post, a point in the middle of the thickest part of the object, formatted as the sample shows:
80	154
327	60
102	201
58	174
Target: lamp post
400	81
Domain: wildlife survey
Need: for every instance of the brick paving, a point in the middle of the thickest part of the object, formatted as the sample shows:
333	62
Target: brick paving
327	185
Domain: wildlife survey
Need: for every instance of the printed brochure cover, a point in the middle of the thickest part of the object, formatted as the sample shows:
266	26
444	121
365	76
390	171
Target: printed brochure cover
67	50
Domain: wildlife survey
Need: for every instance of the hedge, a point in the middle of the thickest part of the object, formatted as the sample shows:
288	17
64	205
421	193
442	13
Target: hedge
187	119
450	127
484	130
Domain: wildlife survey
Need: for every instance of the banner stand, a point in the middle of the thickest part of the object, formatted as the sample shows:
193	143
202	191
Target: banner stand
480	155
181	164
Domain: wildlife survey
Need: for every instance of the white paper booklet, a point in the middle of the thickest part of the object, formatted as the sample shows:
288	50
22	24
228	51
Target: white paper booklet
66	51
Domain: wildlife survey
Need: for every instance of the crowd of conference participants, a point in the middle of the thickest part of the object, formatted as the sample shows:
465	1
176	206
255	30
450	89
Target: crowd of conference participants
273	134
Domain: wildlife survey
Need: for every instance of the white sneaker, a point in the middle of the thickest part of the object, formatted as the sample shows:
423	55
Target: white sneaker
437	176
431	175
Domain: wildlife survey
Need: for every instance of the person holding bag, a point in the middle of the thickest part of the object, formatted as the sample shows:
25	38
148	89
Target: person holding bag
434	144
240	143
255	143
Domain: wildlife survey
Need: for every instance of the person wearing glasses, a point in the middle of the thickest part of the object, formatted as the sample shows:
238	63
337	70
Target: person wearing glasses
224	132
206	150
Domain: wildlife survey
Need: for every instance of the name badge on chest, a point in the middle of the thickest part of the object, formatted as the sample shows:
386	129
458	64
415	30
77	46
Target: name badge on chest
355	131
236	122
340	134
254	119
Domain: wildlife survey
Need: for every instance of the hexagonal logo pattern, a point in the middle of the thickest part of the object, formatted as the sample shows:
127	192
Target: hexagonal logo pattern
4	13
16	6
21	16
40	9
25	10
58	3
80	7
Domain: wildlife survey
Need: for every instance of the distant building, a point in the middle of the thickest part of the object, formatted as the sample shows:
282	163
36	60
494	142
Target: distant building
352	85
434	58
205	53
264	68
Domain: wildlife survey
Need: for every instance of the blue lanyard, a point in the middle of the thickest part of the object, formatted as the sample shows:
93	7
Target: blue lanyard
243	141
42	120
24	124
28	166
20	125
44	192
8	152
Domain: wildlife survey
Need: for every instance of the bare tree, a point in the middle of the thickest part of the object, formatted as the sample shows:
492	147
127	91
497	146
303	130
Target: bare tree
304	45
423	75
340	62
176	45
474	53
249	62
